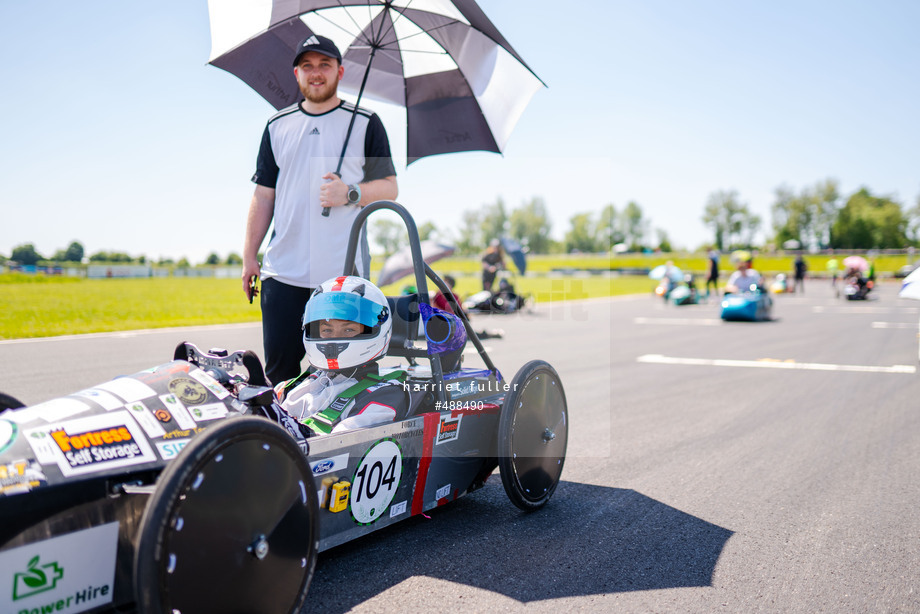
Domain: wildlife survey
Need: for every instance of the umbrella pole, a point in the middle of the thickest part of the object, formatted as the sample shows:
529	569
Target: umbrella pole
351	124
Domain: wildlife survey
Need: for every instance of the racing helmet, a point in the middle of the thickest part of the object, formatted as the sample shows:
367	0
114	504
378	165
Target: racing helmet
741	255
347	298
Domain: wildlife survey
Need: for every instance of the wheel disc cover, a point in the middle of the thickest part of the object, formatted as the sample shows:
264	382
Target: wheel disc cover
539	436
241	519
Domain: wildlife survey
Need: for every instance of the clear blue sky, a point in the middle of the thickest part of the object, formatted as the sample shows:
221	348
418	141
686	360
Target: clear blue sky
115	132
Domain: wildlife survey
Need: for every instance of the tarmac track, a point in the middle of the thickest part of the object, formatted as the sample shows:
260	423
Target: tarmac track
711	466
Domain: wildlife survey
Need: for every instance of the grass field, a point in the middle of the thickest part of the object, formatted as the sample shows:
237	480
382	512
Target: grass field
50	306
42	306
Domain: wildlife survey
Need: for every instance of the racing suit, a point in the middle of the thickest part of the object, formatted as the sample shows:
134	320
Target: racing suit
332	402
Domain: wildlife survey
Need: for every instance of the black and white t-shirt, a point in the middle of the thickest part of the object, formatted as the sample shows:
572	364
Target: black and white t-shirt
297	149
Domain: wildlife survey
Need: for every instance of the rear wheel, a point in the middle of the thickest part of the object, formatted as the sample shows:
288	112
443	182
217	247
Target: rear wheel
533	434
232	526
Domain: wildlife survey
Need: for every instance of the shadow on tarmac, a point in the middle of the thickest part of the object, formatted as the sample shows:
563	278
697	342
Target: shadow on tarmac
588	540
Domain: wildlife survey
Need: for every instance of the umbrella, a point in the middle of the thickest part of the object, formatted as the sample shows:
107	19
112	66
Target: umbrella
399	264
856	262
910	286
516	252
659	272
464	87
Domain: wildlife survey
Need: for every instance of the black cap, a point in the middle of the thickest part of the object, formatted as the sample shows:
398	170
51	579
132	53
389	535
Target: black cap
319	44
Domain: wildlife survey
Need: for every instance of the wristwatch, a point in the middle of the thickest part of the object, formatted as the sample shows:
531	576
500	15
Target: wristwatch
354	194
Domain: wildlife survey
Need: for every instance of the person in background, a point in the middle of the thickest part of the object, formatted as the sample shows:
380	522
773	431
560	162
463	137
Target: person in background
493	260
833	269
713	276
309	207
441	301
800	269
745	277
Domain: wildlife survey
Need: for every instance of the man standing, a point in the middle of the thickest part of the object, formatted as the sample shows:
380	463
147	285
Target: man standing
800	268
295	181
712	278
832	270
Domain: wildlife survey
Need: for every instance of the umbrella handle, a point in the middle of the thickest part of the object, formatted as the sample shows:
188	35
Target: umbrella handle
351	124
339	175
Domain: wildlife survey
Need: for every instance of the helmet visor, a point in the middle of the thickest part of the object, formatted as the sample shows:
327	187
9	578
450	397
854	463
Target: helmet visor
344	306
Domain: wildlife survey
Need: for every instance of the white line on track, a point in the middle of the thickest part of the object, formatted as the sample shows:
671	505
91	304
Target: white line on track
864	309
679	321
128	333
773	364
912	325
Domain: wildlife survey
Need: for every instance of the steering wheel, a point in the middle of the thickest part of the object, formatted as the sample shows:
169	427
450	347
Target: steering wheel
223	365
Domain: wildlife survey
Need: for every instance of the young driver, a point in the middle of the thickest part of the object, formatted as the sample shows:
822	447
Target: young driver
745	277
346	330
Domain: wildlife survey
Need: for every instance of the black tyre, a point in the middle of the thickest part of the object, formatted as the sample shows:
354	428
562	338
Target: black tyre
533	434
231	527
8	402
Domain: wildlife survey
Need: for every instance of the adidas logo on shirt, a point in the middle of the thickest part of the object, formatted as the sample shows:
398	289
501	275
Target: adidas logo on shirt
314	131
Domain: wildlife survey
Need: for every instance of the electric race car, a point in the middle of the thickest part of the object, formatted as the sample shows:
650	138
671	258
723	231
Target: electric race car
183	489
754	305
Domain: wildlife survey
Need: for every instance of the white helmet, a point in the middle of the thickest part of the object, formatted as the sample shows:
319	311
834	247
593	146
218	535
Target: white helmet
347	298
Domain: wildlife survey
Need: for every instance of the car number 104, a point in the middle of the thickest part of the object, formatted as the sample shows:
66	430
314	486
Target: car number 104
376	480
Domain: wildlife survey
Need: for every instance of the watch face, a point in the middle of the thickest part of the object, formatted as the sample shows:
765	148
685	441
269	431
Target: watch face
354	195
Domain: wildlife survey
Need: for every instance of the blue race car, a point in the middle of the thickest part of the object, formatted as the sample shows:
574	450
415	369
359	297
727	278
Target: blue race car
755	305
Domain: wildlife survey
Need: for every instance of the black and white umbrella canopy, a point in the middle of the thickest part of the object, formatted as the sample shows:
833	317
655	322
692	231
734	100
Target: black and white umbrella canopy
463	86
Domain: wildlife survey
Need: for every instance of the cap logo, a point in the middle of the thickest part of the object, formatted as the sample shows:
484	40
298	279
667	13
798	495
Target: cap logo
311	41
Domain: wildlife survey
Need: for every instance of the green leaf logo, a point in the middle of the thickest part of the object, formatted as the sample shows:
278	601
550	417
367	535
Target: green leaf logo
36	579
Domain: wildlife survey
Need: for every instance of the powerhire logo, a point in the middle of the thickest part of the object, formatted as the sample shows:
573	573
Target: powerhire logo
65	574
37	578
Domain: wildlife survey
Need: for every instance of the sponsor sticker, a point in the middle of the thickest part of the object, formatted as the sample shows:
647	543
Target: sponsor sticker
375	481
210	383
148	422
92	444
68	574
458	390
128	389
212	411
101	398
170	449
188	390
448	429
20	476
397	508
325	465
442	492
49	411
178	411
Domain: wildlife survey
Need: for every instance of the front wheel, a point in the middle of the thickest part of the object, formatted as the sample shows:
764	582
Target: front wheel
232	525
8	402
533	435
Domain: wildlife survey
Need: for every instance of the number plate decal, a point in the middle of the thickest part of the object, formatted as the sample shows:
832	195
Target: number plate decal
375	481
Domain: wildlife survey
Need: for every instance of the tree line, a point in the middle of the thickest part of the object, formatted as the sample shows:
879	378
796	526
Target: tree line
75	253
815	217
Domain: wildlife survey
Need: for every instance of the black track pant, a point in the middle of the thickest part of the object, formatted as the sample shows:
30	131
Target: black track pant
282	332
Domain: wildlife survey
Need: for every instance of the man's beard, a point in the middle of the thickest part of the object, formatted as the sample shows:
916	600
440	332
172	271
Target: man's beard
319	96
